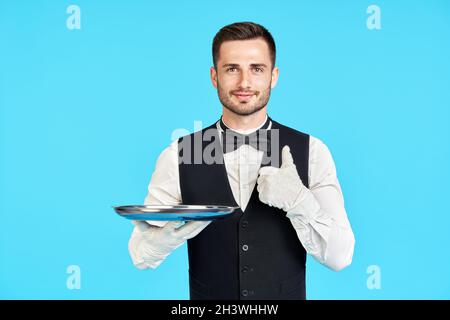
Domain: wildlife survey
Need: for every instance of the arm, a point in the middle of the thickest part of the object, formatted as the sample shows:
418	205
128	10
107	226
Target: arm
164	189
319	216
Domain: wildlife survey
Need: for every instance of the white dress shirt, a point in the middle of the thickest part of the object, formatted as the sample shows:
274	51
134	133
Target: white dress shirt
321	222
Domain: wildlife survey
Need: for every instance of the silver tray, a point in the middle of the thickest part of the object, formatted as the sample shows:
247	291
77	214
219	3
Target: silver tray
174	213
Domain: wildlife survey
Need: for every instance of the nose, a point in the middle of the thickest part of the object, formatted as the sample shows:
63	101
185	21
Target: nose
244	80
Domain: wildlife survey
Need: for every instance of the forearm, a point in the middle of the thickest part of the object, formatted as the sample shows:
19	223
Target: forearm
163	189
325	234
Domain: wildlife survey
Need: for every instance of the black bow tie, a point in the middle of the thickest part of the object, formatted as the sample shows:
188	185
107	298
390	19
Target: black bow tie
259	139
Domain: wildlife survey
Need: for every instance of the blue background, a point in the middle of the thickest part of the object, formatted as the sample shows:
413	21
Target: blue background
85	113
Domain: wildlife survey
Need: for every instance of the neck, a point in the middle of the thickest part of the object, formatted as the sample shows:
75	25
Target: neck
237	122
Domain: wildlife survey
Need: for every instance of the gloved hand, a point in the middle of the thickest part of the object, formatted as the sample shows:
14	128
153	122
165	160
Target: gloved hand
159	242
281	187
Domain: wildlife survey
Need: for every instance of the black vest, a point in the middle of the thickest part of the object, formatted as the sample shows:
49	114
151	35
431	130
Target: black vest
255	254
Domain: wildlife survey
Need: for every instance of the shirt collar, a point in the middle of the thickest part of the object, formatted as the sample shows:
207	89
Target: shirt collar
267	124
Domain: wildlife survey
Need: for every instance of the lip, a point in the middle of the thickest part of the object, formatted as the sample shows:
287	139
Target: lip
243	95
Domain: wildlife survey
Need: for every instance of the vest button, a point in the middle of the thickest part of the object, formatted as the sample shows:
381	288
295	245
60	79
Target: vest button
244	293
245	269
244	224
245	247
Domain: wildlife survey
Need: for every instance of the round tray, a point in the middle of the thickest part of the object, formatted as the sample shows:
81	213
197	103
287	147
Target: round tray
174	213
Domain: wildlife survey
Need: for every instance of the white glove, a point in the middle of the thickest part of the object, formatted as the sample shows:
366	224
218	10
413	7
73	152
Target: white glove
158	242
281	187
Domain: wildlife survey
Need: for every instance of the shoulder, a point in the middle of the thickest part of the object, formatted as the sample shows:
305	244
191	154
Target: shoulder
316	145
322	167
289	130
318	150
168	155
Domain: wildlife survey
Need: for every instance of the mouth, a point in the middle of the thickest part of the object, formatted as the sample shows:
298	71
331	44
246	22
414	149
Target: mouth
243	95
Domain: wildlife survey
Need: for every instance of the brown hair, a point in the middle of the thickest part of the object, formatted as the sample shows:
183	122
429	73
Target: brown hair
242	31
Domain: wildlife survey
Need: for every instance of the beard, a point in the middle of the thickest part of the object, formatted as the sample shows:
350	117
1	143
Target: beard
244	108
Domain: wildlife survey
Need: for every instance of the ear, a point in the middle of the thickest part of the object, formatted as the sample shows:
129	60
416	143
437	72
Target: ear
275	73
213	75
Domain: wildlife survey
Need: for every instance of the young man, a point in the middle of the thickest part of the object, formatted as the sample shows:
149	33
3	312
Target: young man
290	205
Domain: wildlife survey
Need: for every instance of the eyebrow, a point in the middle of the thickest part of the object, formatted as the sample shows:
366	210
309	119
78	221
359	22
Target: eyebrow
237	65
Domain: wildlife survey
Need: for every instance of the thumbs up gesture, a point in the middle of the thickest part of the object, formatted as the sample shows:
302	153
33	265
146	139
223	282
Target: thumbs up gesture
280	187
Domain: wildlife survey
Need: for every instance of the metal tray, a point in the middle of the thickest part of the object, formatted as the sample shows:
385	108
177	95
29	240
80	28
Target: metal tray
174	213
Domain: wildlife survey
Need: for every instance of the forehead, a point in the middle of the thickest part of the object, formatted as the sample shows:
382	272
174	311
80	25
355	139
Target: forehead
244	50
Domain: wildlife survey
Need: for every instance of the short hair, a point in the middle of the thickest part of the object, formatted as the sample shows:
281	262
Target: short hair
243	31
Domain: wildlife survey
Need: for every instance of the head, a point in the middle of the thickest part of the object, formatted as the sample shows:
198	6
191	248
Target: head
244	69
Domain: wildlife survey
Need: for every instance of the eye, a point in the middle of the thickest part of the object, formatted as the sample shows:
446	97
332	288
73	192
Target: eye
231	69
257	69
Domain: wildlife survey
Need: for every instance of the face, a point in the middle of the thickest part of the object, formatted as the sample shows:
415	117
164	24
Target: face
244	75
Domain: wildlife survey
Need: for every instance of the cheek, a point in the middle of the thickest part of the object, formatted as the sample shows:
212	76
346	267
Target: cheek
263	81
227	83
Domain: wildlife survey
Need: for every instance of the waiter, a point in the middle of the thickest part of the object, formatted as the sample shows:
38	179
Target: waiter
283	180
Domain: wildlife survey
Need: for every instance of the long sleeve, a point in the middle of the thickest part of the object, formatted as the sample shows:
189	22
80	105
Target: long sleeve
164	189
320	218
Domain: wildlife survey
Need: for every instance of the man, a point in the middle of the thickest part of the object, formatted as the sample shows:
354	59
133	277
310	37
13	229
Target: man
286	210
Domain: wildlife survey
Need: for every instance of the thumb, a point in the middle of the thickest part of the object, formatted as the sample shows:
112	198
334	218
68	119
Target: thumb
286	157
